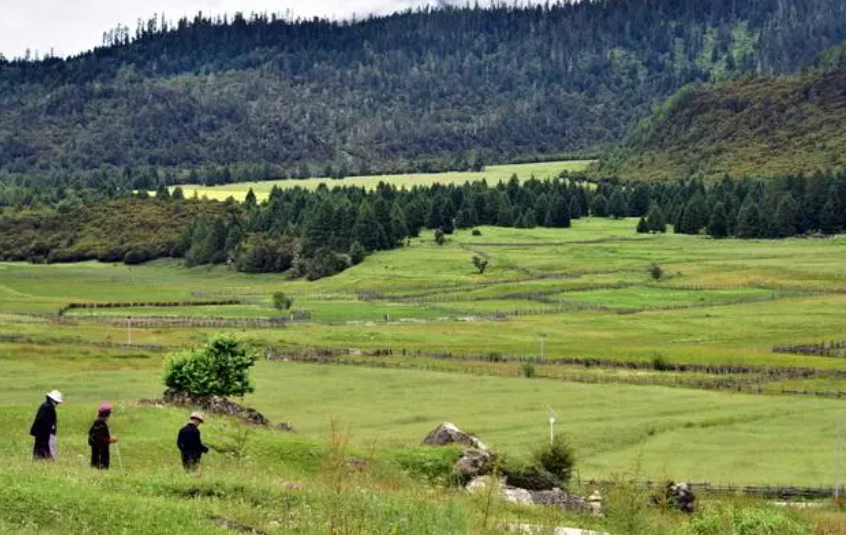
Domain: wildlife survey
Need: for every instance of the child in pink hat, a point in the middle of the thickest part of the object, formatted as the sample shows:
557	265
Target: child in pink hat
99	438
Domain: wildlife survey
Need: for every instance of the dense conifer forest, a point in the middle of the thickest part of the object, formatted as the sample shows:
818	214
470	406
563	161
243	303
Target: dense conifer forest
447	88
317	234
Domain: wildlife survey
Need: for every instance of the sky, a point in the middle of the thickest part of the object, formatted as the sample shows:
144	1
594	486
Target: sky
68	27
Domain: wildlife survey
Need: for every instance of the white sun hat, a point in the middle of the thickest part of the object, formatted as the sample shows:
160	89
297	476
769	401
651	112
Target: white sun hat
56	396
197	416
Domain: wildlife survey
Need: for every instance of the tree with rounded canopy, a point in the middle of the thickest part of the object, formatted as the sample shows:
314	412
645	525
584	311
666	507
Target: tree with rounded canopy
219	368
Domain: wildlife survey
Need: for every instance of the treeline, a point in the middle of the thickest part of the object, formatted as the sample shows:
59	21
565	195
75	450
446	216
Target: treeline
428	90
319	233
311	234
774	208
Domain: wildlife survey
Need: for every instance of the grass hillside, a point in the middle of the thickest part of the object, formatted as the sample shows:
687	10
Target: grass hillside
758	126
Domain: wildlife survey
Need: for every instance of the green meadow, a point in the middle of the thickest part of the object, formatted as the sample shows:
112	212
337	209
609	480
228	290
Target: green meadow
492	174
582	293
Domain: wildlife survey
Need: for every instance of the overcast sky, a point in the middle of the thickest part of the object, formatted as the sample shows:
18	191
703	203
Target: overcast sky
71	26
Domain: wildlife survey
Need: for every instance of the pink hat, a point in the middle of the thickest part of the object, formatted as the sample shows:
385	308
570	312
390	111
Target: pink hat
105	408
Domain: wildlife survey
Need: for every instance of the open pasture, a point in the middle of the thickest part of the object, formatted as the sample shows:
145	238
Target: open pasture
492	173
586	291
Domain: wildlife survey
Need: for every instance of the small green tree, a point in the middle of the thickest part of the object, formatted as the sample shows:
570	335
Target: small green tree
281	301
220	368
357	253
599	206
480	263
642	227
655	220
557	458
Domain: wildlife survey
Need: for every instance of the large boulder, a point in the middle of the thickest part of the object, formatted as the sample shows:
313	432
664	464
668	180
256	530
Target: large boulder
449	433
217	405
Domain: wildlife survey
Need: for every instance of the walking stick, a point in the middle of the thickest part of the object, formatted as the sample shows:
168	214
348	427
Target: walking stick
120	459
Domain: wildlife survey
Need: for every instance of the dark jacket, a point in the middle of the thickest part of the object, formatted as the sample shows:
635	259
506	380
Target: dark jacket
99	438
190	443
46	422
99	435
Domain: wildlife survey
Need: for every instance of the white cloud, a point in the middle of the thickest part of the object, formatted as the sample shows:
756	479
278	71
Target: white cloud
72	26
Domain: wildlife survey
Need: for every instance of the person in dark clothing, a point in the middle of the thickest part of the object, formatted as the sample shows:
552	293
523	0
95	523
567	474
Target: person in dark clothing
45	427
99	438
190	443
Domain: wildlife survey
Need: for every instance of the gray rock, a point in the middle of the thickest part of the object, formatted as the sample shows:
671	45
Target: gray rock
474	463
448	433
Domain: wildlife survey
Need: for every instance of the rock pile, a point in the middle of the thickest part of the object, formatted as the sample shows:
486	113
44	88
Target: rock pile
477	462
217	405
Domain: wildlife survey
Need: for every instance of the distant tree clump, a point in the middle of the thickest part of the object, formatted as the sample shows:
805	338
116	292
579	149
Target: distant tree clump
281	301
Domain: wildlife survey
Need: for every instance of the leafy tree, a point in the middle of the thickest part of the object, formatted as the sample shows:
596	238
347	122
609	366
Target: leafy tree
282	301
220	368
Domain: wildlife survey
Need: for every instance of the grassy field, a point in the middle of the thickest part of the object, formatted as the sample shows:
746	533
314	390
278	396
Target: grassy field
585	292
493	174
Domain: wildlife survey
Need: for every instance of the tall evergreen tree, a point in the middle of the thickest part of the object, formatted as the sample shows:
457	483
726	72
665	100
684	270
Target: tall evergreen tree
718	223
749	221
655	221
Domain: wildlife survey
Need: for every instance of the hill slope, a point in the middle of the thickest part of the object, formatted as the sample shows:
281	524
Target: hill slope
414	91
758	126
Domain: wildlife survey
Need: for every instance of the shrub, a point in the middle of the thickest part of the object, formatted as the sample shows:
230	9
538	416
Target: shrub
531	478
661	364
440	237
557	458
282	301
480	264
656	272
220	368
527	369
357	253
476	232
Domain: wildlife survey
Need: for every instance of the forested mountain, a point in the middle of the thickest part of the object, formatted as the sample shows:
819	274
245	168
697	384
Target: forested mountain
265	97
761	126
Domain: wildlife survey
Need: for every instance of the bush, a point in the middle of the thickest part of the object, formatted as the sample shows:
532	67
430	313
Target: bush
440	237
476	232
656	272
527	369
219	368
282	301
557	458
661	364
531	478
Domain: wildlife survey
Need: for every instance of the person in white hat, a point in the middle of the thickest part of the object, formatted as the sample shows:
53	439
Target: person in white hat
190	443
45	427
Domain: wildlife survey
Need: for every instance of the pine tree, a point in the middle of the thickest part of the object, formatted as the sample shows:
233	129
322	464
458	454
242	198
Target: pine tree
617	207
749	221
831	217
599	206
367	231
718	223
575	209
655	221
639	203
695	215
784	220
642	227
250	200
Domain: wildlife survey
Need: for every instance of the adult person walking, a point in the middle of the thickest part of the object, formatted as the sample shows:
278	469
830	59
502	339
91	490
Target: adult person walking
100	439
45	427
190	443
